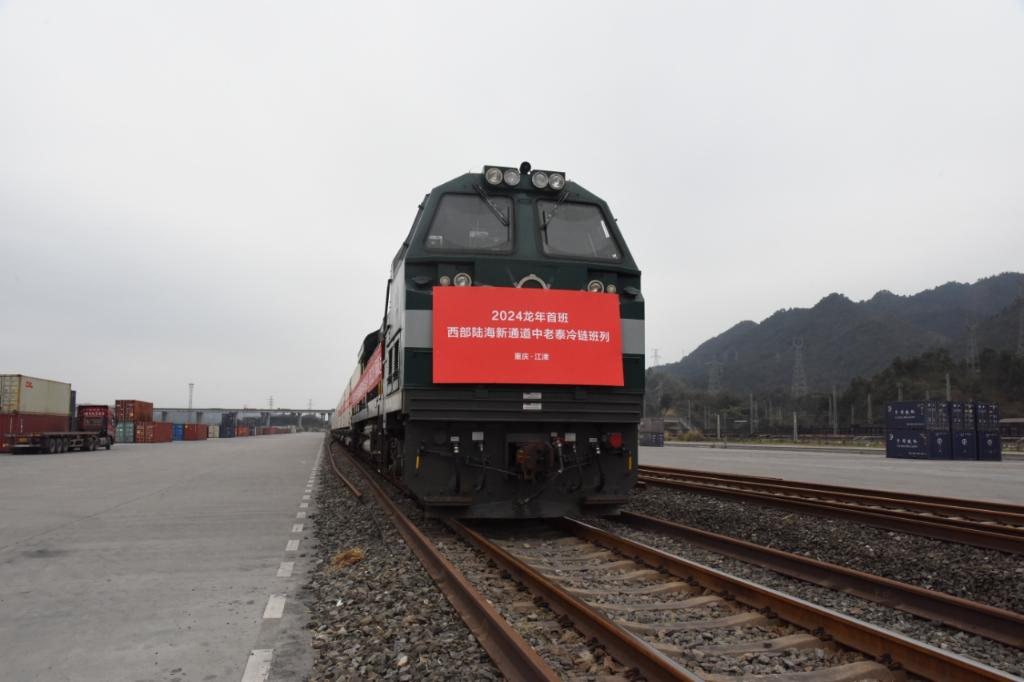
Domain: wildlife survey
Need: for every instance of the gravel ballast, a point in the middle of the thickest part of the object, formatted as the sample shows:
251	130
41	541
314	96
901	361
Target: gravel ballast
381	617
922	561
981	575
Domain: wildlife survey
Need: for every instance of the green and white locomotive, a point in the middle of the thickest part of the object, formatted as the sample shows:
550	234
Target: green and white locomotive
507	379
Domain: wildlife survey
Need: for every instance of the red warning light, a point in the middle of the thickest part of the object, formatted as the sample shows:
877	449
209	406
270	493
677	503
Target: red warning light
615	440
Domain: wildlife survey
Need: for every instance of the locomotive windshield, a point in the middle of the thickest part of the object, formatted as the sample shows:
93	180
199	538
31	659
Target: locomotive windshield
576	230
466	222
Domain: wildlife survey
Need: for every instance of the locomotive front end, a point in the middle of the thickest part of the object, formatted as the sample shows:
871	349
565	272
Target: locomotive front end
512	352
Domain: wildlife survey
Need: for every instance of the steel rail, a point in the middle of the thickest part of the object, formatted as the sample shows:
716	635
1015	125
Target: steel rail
935	527
623	645
916	657
998	512
950	516
994	623
513	656
337	472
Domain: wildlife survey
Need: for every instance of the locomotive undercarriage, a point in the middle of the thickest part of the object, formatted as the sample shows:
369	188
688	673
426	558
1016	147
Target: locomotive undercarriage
504	470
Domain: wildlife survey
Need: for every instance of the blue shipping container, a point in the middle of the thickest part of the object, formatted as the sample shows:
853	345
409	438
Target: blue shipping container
961	416
907	444
965	445
917	415
178	432
227	432
986	416
990	446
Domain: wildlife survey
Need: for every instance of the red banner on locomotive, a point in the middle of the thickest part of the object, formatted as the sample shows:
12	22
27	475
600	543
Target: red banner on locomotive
526	336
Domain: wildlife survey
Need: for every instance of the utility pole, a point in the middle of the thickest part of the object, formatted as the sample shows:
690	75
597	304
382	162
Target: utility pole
870	420
311	404
927	394
656	360
835	413
949	393
795	435
851	415
718	426
191	387
271	402
751	414
899	391
689	414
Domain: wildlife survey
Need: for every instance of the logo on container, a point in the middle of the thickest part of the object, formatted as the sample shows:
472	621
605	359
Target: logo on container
28	384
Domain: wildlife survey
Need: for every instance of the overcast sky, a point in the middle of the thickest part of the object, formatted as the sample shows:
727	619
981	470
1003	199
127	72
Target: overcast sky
213	191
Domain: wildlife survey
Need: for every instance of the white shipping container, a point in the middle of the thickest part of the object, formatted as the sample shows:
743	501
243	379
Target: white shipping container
214	431
29	395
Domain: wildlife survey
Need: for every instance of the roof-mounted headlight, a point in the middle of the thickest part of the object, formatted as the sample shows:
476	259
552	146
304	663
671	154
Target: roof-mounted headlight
556	181
595	286
493	176
539	179
462	280
512	177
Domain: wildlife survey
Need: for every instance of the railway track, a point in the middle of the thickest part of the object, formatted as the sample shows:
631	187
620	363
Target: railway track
973	522
998	624
664	616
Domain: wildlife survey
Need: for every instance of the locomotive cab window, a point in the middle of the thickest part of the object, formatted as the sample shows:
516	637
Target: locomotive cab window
467	222
577	231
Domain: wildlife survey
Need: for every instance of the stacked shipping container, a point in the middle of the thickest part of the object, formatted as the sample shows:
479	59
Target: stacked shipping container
986	417
942	430
32	405
917	429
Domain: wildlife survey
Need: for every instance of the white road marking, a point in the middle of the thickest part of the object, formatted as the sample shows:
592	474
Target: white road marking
303	505
275	606
285	570
300	515
292	546
297	528
257	668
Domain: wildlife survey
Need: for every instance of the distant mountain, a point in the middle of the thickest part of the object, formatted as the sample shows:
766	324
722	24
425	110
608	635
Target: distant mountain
843	339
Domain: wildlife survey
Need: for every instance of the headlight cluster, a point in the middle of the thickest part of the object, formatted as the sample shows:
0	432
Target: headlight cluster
552	180
596	286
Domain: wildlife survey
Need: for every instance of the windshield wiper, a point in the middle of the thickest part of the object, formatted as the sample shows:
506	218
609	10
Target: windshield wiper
497	211
558	205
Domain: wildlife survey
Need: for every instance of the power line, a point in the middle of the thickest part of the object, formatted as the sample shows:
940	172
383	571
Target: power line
799	372
714	376
972	346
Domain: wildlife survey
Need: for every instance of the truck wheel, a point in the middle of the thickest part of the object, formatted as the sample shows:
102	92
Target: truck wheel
51	446
90	444
108	443
63	444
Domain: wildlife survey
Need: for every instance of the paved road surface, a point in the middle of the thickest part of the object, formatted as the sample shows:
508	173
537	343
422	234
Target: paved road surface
154	562
995	481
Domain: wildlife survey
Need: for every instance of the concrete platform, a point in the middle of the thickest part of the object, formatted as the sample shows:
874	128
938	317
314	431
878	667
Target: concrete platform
154	562
994	481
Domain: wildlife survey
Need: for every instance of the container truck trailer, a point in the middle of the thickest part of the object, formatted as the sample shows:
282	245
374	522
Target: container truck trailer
36	416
